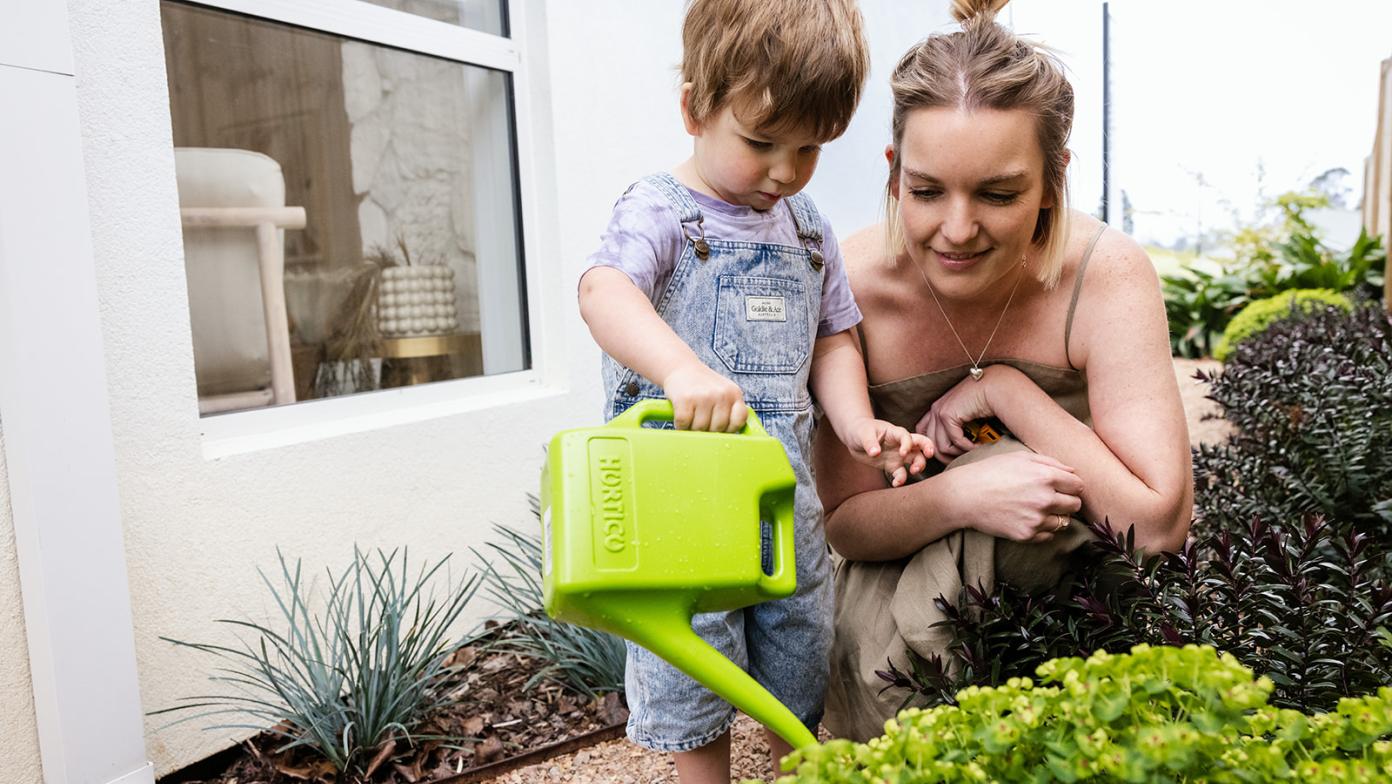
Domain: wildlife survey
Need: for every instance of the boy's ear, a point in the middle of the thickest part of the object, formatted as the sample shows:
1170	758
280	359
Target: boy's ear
893	180
692	127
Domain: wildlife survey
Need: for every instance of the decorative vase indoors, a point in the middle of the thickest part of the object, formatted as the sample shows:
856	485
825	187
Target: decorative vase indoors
417	300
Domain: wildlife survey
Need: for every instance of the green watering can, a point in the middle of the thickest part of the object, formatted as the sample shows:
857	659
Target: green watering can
645	527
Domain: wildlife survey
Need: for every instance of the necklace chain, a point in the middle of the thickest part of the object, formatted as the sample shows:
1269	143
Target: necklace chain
975	363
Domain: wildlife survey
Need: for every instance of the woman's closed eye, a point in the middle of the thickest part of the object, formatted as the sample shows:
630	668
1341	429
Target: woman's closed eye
1000	197
925	194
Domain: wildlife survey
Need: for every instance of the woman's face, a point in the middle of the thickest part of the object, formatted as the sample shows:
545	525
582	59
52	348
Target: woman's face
970	187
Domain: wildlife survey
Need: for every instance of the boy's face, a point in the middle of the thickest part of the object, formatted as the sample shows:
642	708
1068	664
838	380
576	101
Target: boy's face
748	167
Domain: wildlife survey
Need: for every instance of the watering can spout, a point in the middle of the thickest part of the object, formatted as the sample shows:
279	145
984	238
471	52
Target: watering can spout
644	527
665	629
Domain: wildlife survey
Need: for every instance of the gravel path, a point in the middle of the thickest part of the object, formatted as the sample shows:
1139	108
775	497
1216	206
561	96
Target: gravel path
1197	407
621	762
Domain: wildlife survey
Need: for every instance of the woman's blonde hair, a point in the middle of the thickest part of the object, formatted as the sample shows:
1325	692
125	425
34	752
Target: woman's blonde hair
986	66
784	64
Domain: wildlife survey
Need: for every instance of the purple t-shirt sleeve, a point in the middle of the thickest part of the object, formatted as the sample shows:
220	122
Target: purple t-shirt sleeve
839	310
643	239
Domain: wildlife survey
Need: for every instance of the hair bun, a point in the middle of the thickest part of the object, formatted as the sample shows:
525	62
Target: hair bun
963	10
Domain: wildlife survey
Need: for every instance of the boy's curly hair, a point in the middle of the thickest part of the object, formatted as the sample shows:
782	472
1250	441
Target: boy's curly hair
782	64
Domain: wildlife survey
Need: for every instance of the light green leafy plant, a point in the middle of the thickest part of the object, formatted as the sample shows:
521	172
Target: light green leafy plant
344	680
1157	714
1258	315
1281	252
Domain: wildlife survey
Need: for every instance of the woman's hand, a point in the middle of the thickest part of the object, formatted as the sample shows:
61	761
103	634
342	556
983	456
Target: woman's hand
943	422
1021	496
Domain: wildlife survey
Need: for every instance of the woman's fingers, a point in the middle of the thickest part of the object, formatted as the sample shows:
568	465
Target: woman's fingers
1052	462
1068	483
924	422
1065	504
957	437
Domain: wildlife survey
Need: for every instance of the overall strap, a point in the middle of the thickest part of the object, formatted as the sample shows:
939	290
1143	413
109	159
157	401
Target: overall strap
1077	289
805	215
687	210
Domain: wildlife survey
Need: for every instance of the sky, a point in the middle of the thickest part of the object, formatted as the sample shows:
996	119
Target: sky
1216	103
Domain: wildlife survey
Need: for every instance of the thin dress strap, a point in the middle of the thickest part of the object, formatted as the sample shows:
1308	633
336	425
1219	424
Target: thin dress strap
1077	289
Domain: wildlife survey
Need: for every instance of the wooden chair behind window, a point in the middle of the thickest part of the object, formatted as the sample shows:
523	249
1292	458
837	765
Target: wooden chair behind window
233	207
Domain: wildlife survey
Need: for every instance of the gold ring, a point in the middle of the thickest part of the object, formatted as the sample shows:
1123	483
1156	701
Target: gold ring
1062	523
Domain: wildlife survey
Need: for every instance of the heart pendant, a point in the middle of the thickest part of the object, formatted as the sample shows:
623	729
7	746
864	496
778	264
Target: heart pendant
976	373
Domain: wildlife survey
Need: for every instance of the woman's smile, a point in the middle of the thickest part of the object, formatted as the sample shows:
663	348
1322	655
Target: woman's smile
958	261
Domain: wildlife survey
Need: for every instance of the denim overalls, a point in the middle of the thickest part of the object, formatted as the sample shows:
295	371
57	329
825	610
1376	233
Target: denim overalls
750	311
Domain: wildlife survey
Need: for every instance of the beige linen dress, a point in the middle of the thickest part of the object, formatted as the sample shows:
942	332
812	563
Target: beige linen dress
884	608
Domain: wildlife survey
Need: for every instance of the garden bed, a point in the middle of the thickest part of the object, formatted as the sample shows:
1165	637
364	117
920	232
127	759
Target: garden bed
510	727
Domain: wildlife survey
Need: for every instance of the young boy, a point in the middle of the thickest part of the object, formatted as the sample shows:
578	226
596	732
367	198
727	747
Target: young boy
708	288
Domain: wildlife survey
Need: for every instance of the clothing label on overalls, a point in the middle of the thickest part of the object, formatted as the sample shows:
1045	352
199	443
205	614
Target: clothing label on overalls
765	309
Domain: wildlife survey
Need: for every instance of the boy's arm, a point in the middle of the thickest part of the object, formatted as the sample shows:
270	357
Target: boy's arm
625	325
839	384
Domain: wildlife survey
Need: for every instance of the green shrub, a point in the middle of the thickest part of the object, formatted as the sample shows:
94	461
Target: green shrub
1269	258
347	679
1289	562
1257	316
585	661
1157	714
1198	304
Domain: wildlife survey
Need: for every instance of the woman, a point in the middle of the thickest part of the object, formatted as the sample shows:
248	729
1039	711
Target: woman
985	298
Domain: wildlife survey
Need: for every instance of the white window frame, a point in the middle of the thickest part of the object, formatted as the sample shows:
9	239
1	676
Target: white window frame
267	428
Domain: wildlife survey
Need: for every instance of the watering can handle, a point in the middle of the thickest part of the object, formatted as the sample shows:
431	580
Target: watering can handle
660	410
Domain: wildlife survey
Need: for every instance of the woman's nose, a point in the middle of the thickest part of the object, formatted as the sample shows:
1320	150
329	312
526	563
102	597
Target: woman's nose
959	225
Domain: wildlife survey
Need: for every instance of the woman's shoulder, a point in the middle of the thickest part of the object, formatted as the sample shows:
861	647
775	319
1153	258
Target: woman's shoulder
867	261
1113	257
1119	299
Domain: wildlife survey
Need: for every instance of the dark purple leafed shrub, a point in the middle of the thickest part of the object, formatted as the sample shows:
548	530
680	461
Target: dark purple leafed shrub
1289	562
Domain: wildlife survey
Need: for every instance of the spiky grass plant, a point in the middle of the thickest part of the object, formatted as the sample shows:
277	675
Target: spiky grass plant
586	661
344	679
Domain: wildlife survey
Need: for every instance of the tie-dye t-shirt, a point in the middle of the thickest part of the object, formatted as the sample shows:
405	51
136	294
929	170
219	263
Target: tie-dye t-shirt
644	240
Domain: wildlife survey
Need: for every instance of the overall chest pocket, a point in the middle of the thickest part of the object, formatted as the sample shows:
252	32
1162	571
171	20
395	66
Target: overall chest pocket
761	324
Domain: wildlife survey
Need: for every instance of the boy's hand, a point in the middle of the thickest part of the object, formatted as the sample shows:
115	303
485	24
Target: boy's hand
890	448
702	399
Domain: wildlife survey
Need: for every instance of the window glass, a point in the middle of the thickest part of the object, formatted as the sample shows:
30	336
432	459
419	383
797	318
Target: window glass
406	265
487	16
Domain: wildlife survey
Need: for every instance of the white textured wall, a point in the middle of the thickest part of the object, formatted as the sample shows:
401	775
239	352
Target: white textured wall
195	529
19	754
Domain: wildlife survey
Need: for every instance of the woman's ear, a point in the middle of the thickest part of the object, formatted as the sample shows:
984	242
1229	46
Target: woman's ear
893	172
692	126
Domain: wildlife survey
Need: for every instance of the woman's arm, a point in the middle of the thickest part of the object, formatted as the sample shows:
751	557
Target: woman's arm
1014	496
1135	460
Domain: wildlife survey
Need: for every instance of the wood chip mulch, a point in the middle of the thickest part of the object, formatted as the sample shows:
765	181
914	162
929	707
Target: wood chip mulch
487	705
